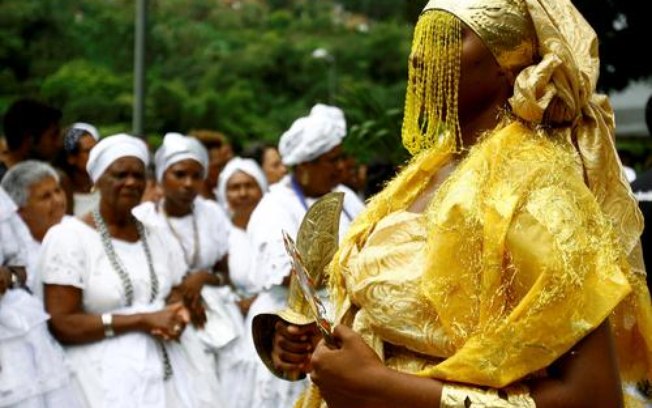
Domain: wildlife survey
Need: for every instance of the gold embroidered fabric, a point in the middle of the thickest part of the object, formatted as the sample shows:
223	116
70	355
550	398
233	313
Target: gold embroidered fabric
459	396
504	26
509	267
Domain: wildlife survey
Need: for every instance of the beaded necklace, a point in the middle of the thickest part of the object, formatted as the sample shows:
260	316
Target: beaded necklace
127	284
192	259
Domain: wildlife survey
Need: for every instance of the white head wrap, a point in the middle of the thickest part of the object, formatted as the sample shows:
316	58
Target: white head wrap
88	128
112	148
177	147
247	166
311	136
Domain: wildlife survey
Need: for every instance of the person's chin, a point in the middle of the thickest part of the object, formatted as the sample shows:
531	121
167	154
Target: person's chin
57	218
187	200
130	200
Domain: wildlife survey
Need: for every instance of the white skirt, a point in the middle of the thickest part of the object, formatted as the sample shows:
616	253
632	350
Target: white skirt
33	371
128	371
270	391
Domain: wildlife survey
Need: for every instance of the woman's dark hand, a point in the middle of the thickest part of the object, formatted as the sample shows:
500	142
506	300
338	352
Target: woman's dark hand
169	323
192	285
20	274
245	304
293	345
5	280
190	291
12	277
349	375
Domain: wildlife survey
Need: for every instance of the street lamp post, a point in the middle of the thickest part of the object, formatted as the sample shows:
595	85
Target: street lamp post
139	68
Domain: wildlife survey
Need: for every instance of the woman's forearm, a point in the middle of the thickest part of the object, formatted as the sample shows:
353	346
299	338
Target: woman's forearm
81	328
398	389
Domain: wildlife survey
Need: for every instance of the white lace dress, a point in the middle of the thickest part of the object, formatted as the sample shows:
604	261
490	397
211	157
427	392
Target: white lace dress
33	372
211	349
126	370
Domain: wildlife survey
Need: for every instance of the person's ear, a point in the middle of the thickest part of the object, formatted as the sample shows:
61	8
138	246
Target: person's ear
508	76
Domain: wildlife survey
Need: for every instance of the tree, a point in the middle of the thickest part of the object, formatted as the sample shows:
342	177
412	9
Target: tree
246	67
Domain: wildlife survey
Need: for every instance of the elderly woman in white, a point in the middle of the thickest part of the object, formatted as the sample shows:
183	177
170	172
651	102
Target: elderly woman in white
33	372
312	149
106	279
39	203
241	186
198	230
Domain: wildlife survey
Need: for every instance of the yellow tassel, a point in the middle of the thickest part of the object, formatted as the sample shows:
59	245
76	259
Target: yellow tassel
431	131
430	117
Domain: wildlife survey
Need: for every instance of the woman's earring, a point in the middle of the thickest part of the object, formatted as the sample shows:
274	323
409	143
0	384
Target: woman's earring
305	179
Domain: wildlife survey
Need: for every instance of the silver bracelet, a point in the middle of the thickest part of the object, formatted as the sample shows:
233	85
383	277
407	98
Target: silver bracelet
14	280
107	323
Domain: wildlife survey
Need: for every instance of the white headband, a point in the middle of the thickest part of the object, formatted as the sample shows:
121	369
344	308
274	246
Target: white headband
177	147
112	148
88	128
247	166
311	136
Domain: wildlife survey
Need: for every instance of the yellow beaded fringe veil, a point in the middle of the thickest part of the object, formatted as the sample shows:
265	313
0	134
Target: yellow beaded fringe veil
430	117
431	130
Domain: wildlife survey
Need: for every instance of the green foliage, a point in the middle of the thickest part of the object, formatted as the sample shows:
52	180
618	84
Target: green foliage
242	67
90	91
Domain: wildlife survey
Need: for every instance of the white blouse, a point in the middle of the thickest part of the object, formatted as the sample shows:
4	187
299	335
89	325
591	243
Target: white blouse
125	370
73	255
241	263
213	228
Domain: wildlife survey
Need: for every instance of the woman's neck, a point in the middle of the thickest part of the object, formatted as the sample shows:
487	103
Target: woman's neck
81	182
306	188
241	219
474	128
175	210
115	216
120	223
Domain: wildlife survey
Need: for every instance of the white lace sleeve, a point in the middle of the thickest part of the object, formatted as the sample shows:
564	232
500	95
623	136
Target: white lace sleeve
270	262
63	258
219	230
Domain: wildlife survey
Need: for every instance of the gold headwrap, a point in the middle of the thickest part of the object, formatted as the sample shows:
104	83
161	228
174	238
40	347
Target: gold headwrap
553	53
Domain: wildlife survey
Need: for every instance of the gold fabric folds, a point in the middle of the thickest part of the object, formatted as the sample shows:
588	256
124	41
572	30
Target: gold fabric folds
509	267
528	246
553	53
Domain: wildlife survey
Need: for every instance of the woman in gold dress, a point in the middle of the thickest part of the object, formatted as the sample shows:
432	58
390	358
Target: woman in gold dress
502	266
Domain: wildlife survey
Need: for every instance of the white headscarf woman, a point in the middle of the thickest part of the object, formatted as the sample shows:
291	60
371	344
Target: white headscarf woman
240	188
106	279
311	147
197	230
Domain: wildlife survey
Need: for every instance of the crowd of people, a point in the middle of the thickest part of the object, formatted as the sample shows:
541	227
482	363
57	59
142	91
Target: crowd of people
129	276
501	267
